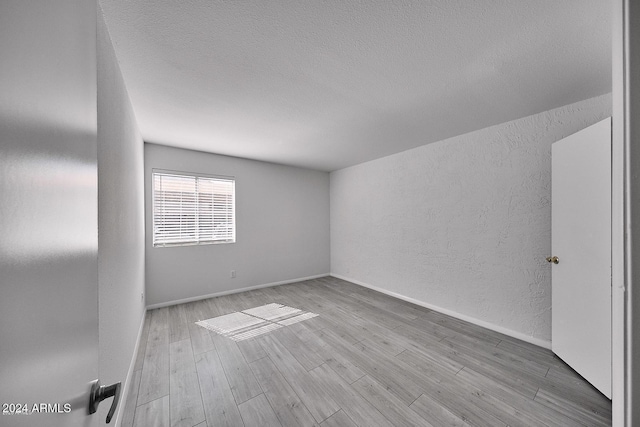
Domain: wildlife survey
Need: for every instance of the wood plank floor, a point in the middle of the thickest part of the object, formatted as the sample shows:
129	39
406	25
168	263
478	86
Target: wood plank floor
366	360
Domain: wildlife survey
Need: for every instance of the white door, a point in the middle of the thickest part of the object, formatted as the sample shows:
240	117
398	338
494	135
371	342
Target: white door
48	213
581	241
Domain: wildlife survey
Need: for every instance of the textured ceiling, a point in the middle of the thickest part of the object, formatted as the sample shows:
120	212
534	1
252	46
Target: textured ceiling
328	84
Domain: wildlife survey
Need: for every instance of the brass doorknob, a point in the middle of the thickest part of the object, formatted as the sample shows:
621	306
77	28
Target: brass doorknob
553	259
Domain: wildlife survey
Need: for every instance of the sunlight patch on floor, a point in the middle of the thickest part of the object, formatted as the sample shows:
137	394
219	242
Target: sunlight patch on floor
250	323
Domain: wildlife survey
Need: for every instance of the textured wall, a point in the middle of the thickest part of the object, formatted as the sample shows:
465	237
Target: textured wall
120	220
463	224
282	228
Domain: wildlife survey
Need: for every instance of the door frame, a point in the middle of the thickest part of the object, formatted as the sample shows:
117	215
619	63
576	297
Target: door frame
625	211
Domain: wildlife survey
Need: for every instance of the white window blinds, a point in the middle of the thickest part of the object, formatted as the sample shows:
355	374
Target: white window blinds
192	209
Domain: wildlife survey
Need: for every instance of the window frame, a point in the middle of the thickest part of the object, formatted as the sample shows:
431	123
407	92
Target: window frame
196	241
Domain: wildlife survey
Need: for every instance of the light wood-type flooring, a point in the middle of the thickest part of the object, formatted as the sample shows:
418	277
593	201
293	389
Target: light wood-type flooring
366	360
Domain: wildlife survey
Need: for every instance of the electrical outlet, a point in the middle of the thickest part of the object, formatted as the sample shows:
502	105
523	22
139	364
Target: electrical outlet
233	274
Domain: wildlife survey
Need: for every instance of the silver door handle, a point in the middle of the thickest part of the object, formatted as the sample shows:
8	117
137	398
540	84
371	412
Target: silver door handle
101	392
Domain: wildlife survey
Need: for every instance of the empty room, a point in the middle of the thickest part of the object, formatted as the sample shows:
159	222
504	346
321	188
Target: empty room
318	213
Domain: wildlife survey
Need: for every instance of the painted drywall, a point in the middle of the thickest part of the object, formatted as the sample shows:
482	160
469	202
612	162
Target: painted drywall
282	228
120	219
462	225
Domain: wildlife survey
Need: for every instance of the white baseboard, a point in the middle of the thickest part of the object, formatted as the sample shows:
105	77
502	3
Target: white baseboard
518	335
124	392
233	291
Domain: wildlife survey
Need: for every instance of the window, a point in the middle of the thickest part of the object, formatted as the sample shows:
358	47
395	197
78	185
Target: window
192	210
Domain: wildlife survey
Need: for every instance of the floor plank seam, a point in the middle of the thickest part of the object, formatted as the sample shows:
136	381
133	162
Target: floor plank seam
135	405
359	378
409	405
200	389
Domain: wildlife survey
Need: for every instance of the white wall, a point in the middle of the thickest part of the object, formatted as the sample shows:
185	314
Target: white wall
462	225
282	228
120	219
